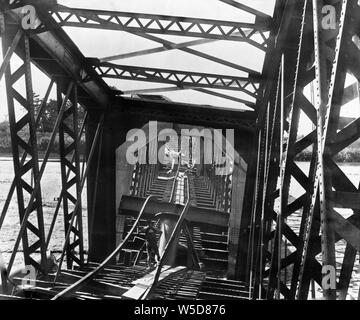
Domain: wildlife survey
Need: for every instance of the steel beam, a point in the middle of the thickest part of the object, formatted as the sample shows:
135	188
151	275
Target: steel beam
161	24
36	189
54	52
258	14
10	52
130	206
348	27
70	176
77	204
179	78
206	91
322	93
297	60
23	183
199	54
188	114
157	49
321	226
295	67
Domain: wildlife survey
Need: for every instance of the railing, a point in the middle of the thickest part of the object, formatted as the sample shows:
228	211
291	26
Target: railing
143	176
93	273
220	188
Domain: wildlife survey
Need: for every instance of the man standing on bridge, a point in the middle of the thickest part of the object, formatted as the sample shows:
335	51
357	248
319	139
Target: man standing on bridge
151	243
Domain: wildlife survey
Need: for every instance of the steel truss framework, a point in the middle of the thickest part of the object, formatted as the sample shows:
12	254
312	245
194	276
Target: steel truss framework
282	261
147	26
33	237
323	59
28	172
70	174
181	79
160	24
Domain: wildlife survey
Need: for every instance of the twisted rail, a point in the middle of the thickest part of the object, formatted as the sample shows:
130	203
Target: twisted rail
174	233
93	273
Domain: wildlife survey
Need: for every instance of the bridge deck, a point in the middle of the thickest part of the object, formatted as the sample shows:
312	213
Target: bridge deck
121	282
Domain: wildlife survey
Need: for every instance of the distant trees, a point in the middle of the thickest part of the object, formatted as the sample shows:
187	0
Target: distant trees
48	118
350	154
5	142
45	127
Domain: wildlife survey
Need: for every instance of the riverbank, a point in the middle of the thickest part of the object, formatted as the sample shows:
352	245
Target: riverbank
4	156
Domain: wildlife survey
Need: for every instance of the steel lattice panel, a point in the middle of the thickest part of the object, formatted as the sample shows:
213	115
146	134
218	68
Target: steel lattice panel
31	232
70	173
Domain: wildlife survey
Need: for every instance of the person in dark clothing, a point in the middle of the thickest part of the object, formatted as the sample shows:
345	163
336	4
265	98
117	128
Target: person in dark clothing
151	243
3	273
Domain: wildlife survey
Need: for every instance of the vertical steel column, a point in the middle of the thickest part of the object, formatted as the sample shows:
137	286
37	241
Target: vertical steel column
262	222
272	191
297	76
337	189
282	196
33	238
334	57
70	162
10	52
254	242
321	101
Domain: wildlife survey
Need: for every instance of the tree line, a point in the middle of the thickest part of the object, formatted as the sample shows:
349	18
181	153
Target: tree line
350	154
44	129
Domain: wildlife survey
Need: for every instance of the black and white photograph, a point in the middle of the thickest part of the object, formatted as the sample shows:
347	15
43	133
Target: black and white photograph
202	152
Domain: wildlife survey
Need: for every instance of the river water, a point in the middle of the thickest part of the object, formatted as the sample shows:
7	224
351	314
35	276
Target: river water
51	186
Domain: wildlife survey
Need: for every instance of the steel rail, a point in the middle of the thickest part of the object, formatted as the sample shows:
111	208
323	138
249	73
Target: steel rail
172	238
93	273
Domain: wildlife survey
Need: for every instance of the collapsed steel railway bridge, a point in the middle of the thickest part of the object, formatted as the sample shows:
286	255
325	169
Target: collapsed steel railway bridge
224	236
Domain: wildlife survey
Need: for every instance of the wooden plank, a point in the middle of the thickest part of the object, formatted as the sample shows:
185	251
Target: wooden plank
143	284
150	276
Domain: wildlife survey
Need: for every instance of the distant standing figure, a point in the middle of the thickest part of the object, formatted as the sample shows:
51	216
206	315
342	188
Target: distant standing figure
3	273
173	155
151	243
